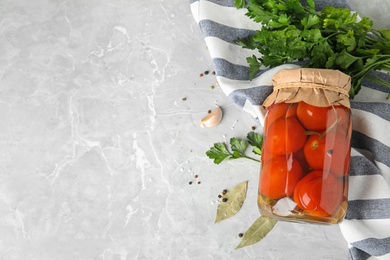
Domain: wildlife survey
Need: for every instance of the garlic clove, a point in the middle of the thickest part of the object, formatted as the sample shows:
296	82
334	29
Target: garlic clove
213	119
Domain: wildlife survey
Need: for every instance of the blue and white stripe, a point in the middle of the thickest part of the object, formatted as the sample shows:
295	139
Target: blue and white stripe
367	224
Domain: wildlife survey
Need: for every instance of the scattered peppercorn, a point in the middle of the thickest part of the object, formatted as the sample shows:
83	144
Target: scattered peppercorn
199	182
201	75
253	128
211	87
184	99
206	72
209	111
224	199
213	72
196	176
240	235
224	192
219	196
330	152
190	183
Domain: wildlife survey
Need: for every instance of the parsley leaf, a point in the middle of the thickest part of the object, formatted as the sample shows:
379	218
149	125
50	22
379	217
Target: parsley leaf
239	3
311	21
344	59
254	66
255	140
385	34
220	152
238	147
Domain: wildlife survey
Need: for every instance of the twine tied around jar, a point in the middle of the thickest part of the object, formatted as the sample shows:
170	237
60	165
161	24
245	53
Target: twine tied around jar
318	87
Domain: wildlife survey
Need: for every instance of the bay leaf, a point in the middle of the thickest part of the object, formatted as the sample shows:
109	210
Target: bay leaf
235	198
257	231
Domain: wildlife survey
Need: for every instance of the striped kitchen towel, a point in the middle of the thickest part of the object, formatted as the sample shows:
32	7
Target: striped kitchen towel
367	224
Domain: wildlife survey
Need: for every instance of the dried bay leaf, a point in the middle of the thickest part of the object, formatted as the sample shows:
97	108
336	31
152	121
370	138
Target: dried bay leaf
257	231
235	198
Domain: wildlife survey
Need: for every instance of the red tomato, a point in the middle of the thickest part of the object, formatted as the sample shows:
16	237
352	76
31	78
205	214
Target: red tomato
284	136
331	153
341	114
276	111
320	118
319	194
344	129
292	110
300	157
279	176
266	155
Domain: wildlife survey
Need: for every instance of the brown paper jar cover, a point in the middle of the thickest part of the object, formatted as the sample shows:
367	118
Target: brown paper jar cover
317	87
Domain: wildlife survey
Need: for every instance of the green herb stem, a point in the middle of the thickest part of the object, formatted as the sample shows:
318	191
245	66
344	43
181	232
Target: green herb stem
377	79
250	158
386	67
371	67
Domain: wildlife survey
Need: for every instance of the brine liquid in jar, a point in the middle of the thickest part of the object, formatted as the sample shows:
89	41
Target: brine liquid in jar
305	162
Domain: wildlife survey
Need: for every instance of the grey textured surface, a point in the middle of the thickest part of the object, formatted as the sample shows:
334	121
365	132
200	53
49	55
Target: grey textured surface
98	146
377	10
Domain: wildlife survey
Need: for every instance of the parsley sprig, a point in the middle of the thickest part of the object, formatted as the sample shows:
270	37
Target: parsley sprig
333	38
220	152
234	198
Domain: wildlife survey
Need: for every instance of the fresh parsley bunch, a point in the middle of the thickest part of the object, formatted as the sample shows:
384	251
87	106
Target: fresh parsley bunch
333	38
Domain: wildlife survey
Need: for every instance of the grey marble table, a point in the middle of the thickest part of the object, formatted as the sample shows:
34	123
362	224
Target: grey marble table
100	105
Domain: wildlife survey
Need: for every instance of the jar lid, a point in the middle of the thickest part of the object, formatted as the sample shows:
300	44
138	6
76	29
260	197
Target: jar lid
317	87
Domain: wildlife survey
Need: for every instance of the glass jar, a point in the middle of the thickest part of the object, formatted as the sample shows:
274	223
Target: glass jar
306	149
